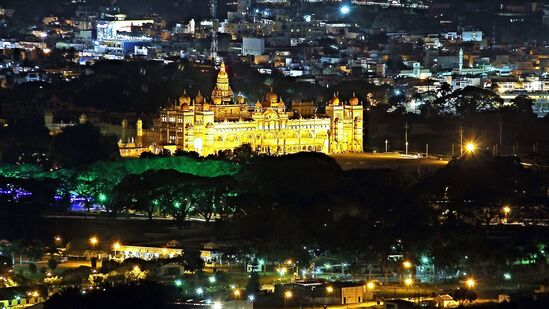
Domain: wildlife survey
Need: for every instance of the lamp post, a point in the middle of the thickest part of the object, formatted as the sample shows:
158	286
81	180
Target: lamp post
287	295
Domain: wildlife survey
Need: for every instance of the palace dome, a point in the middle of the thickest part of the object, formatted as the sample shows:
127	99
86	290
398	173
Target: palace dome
271	97
258	105
334	101
199	99
184	99
240	99
354	100
206	106
185	106
217	100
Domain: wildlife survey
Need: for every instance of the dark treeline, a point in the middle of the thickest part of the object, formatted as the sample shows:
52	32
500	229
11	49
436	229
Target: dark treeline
305	206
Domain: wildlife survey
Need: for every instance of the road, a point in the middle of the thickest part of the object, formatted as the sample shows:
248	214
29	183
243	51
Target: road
388	160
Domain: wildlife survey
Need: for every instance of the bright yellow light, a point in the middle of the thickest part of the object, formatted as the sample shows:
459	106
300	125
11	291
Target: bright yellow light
329	289
408	281
506	210
407	264
116	246
136	268
35	294
470	283
57	238
370	285
94	241
470	147
289	262
236	293
288	294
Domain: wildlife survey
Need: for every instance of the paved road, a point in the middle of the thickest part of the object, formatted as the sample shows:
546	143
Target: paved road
387	160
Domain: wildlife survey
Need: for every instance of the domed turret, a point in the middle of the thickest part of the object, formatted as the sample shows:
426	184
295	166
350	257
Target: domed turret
271	97
240	99
185	107
184	98
199	99
354	100
258	105
334	101
217	100
206	106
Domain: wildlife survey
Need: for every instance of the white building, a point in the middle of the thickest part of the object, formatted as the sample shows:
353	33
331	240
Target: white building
253	46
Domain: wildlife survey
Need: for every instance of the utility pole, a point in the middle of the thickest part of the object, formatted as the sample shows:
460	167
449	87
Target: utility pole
406	136
386	145
461	140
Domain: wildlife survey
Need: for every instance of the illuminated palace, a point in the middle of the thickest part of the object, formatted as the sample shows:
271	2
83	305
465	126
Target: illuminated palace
226	121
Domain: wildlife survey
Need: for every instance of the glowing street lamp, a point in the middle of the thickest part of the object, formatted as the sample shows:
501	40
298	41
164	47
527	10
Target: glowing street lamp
217	305
470	283
329	289
407	264
470	147
199	291
370	285
94	241
408	281
178	282
236	293
287	295
344	10
506	210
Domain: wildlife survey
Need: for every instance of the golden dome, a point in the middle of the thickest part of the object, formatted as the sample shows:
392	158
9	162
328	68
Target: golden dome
217	100
258	105
334	101
185	106
222	70
209	125
206	106
199	99
271	96
240	99
354	100
184	98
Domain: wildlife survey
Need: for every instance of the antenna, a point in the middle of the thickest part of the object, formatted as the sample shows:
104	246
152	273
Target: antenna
213	12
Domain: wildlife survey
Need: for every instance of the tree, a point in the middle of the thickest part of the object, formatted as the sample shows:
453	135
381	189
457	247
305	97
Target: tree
192	260
253	285
52	264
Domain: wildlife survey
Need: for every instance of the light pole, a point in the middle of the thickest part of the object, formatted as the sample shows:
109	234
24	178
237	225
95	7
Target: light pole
386	145
287	295
406	136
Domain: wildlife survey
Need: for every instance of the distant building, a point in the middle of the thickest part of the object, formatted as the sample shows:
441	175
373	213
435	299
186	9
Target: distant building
226	122
253	46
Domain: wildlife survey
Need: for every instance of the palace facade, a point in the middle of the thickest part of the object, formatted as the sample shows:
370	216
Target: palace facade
226	121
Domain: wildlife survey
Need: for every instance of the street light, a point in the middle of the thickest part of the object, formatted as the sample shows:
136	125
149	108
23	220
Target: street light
471	283
344	9
329	289
407	264
217	305
370	285
506	210
408	281
199	291
287	295
236	293
470	147
94	241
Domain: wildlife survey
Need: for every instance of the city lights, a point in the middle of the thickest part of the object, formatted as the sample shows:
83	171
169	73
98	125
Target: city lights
407	264
199	291
470	147
217	305
470	283
94	241
408	281
178	282
344	9
288	294
370	285
329	289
